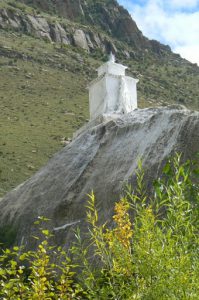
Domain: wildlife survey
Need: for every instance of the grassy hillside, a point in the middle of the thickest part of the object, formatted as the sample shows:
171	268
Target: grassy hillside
41	103
43	96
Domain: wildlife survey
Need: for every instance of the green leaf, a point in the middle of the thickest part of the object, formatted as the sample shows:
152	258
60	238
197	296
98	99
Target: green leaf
46	232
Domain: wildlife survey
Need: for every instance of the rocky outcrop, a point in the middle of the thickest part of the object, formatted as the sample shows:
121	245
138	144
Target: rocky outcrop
53	31
108	15
81	40
102	157
64	8
105	16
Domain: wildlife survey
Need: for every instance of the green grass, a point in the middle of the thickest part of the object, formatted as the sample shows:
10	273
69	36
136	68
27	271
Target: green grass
40	104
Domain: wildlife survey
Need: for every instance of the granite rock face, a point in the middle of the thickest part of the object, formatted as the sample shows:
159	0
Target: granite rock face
102	157
64	8
58	32
105	16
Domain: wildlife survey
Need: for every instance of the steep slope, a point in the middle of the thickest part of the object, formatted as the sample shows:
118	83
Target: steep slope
49	51
102	157
107	15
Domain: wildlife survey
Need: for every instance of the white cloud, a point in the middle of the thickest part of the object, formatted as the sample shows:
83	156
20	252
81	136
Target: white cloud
177	28
183	3
191	53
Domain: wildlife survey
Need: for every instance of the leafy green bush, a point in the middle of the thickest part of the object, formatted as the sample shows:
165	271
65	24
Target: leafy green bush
151	252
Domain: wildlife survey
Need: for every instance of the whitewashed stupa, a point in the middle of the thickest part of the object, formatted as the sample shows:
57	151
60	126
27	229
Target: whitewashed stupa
112	91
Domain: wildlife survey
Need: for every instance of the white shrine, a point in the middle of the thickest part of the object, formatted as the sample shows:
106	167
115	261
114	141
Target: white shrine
112	91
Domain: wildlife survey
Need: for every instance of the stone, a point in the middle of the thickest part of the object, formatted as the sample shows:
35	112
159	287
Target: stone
102	157
14	20
96	40
40	27
89	42
80	39
58	34
46	29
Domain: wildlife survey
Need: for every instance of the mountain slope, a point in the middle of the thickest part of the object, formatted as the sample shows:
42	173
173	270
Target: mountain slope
49	51
107	15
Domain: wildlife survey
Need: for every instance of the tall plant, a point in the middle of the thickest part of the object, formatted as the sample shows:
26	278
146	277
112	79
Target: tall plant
151	251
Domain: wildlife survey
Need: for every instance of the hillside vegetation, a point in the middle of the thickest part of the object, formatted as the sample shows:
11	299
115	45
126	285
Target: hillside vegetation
153	255
44	73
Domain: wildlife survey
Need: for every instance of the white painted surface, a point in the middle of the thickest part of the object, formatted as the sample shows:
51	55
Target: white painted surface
97	96
111	68
128	94
112	92
112	87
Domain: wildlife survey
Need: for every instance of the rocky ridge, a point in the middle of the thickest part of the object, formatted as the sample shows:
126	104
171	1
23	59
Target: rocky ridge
40	27
109	21
107	15
103	157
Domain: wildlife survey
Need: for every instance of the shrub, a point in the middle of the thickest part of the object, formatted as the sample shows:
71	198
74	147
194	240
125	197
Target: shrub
151	252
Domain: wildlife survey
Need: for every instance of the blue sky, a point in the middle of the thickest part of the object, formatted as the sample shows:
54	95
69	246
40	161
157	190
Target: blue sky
172	22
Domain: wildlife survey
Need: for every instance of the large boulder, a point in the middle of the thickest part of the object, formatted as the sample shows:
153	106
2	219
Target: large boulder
80	39
102	157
